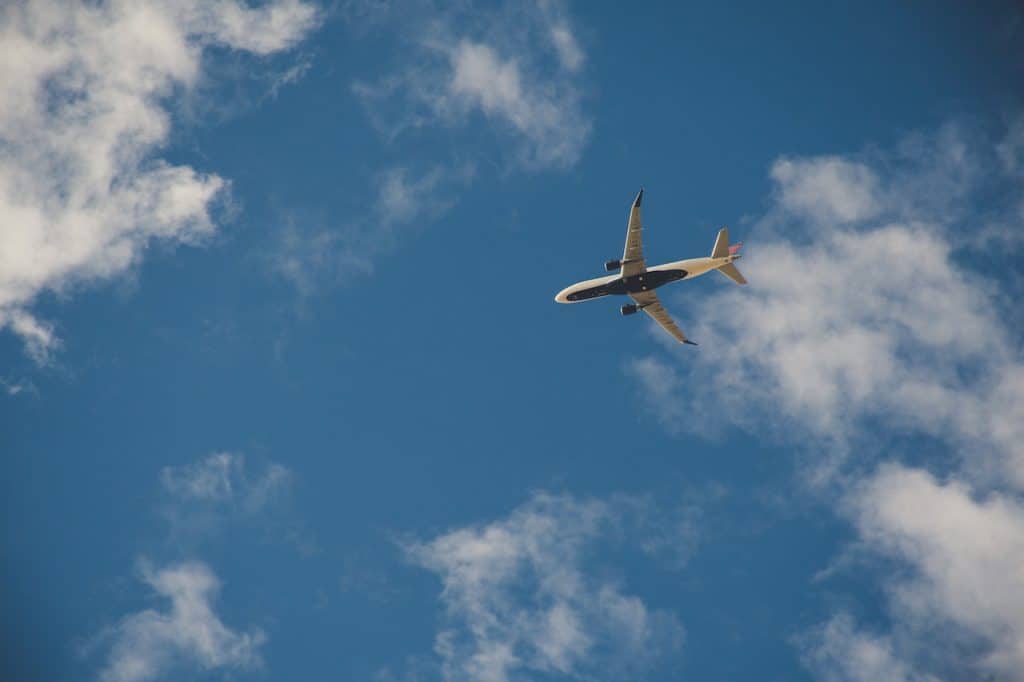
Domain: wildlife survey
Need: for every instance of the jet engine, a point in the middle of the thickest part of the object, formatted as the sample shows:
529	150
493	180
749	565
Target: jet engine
629	308
612	265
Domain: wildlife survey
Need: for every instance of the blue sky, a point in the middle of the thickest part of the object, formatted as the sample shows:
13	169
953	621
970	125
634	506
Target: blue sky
286	395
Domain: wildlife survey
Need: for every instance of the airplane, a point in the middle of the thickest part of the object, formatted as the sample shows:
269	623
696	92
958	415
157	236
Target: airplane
638	281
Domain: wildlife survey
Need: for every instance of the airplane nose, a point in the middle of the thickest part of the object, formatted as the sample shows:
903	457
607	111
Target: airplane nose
563	295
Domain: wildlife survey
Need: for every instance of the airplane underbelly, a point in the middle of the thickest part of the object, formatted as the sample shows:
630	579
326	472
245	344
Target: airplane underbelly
611	288
652	279
645	281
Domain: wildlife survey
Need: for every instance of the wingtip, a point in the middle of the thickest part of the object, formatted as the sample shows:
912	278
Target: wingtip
639	198
690	343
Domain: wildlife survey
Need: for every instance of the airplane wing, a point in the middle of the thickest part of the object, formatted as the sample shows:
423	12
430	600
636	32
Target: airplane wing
633	254
652	306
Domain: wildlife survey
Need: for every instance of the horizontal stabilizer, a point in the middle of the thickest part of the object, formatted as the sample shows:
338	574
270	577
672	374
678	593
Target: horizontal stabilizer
730	271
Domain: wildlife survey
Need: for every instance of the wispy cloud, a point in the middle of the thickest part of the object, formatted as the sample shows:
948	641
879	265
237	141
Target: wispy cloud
519	598
17	387
660	387
837	651
312	257
83	92
199	498
518	69
148	644
403	197
865	326
221	478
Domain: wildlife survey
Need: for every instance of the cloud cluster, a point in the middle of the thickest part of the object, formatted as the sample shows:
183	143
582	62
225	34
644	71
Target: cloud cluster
518	599
966	549
958	612
872	324
200	498
147	644
83	110
863	324
875	320
517	68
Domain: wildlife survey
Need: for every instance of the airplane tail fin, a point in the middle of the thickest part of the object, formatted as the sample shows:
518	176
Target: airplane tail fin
721	248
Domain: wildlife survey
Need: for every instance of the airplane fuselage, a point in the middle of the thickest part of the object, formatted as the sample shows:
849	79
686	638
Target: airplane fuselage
651	278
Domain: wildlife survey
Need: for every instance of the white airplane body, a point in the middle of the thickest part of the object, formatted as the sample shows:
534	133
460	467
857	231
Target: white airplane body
638	281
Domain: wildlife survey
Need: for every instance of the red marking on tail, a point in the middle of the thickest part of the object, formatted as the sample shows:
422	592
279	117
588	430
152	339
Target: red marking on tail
735	248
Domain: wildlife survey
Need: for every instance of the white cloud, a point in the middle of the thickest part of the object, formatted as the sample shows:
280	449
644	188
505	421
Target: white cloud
555	16
569	51
38	336
498	87
828	189
147	644
519	72
519	600
838	652
967	552
83	93
263	29
852	322
958	613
